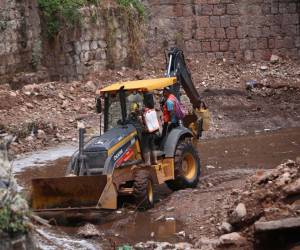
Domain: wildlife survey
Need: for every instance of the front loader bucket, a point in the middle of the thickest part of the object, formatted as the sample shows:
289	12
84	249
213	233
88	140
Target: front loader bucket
65	193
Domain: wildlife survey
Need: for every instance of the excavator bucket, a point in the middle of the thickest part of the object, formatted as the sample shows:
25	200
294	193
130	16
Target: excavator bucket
65	193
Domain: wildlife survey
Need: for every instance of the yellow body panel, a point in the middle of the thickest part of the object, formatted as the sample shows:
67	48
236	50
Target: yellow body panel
122	142
141	85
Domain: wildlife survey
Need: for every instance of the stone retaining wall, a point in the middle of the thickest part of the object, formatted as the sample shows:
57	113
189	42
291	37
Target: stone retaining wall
102	41
19	37
239	29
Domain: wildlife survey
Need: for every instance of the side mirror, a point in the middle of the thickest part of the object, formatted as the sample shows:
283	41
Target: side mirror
98	105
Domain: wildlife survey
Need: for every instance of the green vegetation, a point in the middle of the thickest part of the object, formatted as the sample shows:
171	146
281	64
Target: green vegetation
60	14
11	222
135	4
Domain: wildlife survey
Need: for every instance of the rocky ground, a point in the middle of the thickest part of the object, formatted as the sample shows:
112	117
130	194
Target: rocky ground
235	210
242	98
224	210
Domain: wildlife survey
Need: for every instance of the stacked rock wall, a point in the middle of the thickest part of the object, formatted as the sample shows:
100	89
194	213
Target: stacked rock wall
19	37
102	41
240	29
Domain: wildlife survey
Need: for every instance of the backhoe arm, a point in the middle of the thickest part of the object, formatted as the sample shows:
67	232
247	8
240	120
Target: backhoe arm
177	67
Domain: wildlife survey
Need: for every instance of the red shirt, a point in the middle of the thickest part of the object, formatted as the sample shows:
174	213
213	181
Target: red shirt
166	112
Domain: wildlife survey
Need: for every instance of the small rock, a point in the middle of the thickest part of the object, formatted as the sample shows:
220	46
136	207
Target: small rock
170	209
226	227
183	246
65	104
293	188
232	239
41	134
238	214
170	218
89	231
29	105
296	205
160	218
181	233
251	84
13	94
274	59
283	179
210	167
91	86
138	76
264	67
241	210
61	96
80	124
30	88
210	184
206	243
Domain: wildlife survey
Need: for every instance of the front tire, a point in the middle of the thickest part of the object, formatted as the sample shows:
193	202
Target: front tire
187	167
143	190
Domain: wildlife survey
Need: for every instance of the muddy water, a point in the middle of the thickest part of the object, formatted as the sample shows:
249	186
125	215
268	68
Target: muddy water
263	150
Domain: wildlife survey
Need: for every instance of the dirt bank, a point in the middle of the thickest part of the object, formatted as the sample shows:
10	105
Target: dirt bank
47	114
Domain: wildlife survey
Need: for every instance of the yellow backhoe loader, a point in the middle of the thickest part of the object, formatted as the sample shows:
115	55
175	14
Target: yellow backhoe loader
110	165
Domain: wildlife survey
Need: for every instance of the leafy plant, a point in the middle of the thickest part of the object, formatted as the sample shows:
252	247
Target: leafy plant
3	25
135	4
11	222
61	13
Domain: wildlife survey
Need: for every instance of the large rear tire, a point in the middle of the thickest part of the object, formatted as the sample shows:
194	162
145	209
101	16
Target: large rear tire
143	190
187	167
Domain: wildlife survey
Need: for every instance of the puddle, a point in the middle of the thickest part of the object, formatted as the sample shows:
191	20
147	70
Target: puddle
132	228
41	158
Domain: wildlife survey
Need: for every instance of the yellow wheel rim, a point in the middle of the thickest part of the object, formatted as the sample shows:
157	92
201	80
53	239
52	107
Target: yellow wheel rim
189	166
150	191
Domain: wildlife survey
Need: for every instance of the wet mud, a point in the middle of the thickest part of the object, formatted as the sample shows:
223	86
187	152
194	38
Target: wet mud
224	160
260	150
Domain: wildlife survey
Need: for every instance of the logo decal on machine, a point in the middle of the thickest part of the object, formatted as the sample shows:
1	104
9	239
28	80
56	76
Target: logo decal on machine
117	155
129	153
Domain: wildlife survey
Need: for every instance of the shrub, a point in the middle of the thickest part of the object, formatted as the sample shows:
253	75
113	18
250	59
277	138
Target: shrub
60	14
135	4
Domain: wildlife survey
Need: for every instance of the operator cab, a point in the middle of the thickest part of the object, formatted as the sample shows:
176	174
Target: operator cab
124	103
